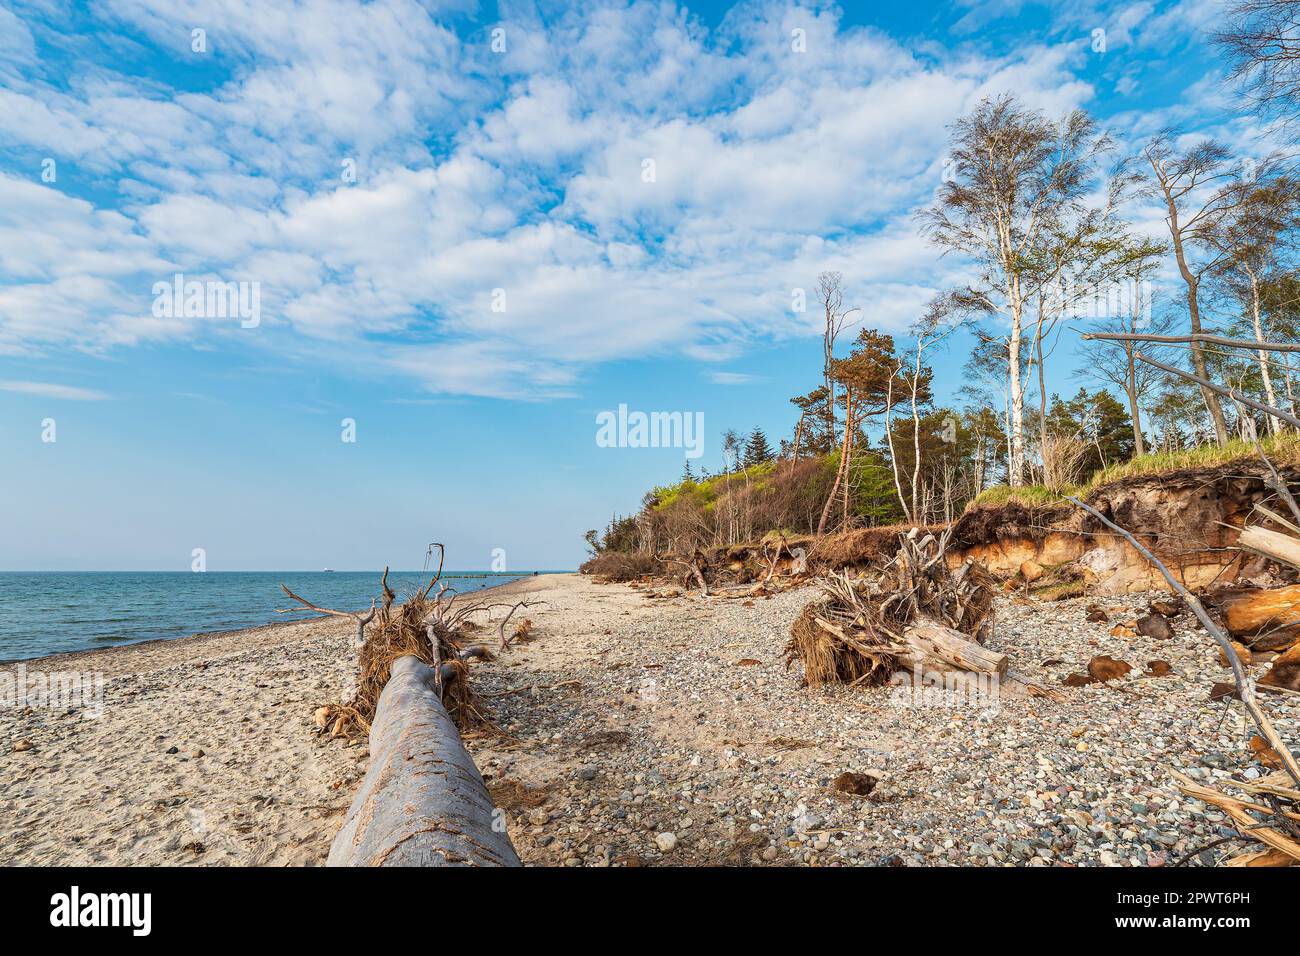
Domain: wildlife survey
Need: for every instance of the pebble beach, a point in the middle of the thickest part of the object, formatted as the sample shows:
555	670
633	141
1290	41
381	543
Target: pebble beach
635	730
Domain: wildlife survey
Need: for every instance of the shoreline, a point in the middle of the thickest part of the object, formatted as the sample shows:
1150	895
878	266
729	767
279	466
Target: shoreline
626	718
201	637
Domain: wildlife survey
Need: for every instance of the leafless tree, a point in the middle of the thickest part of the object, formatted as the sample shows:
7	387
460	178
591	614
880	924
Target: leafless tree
1262	41
830	288
1190	183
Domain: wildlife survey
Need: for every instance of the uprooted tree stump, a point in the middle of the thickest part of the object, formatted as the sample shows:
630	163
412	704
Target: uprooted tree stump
919	616
423	801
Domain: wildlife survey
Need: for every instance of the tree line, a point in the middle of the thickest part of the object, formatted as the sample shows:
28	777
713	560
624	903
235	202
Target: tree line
1042	212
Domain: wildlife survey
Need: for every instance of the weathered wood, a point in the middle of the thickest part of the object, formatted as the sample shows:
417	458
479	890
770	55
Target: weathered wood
1271	544
1249	344
1245	687
1270	614
1220	390
933	647
423	801
1269	857
1285	671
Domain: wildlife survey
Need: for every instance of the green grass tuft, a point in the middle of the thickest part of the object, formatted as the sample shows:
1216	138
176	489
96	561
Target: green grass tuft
1283	450
1029	495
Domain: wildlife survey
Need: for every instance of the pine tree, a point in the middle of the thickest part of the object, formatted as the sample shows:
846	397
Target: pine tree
687	474
757	450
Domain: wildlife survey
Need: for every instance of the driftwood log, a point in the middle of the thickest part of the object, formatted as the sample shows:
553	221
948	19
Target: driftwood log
931	647
1271	544
1266	619
423	801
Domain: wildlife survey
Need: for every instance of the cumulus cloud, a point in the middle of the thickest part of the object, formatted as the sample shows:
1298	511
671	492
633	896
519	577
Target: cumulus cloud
619	181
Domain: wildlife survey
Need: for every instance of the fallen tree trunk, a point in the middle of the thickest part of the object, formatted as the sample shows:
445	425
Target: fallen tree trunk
1271	544
933	647
423	801
1266	619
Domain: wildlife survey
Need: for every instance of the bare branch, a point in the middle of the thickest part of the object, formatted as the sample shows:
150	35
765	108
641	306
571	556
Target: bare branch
1202	337
1220	390
1245	685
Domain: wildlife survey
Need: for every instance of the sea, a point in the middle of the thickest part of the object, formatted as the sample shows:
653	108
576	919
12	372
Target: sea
53	612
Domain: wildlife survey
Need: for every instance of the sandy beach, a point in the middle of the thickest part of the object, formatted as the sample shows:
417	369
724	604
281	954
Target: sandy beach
636	730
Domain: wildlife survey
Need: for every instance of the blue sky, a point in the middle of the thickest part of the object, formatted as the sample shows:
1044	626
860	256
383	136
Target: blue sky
476	170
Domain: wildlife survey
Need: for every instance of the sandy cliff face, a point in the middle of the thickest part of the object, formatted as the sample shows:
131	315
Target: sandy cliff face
1190	520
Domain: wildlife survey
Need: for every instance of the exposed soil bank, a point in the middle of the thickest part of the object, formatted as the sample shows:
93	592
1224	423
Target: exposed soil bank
1190	519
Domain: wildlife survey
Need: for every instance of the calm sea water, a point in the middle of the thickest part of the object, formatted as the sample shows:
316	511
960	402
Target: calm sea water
52	612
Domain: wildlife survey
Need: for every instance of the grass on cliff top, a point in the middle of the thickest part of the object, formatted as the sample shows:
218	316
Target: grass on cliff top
1025	495
1282	450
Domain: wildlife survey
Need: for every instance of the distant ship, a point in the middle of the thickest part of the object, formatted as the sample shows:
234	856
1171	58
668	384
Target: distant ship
327	570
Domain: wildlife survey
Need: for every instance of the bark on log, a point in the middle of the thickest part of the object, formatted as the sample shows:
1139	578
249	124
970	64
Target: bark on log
1285	671
938	648
1265	619
1271	544
423	801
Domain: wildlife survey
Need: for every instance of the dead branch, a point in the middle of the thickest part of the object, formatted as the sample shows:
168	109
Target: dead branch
442	556
1245	685
360	639
1221	390
1201	337
1275	482
501	625
692	565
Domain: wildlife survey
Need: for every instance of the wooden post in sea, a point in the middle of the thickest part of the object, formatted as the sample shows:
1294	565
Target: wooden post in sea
423	801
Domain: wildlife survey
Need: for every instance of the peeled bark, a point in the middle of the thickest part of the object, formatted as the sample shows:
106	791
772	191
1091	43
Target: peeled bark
935	648
423	801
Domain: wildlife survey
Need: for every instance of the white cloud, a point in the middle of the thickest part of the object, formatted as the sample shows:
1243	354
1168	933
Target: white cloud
477	172
53	390
731	378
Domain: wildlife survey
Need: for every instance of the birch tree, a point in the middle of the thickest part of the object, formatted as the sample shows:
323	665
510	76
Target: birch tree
1261	214
830	288
1014	173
